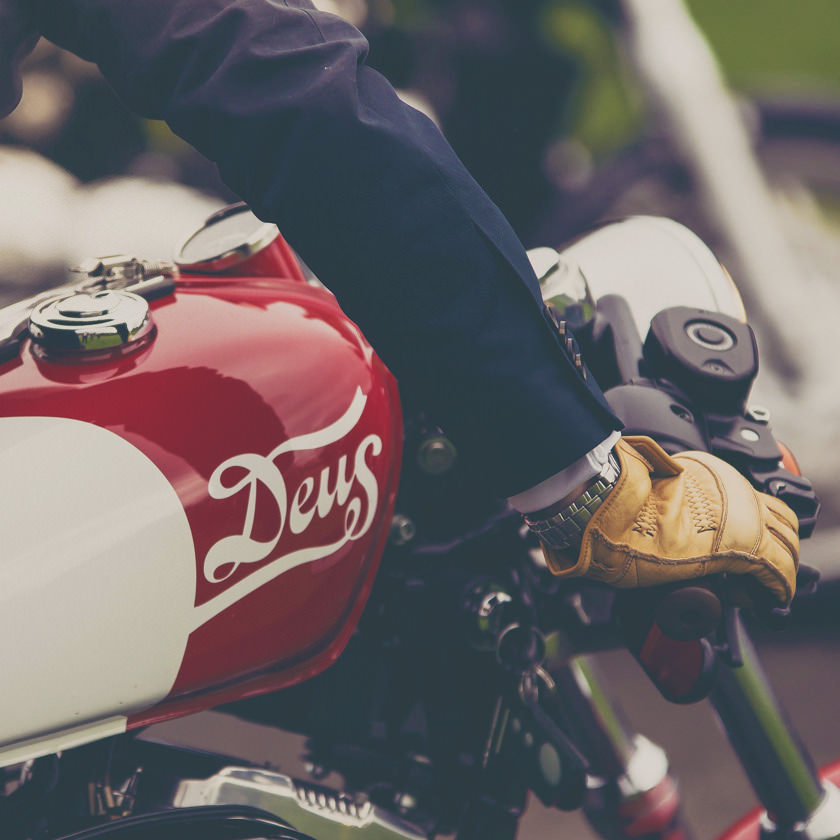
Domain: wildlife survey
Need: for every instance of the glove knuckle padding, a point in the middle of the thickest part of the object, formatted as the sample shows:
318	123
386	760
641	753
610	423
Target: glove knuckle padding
739	526
682	517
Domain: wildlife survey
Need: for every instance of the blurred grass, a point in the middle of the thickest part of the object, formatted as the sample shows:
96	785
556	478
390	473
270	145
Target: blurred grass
789	44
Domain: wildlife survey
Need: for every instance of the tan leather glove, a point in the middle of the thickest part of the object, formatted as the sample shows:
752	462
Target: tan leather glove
675	518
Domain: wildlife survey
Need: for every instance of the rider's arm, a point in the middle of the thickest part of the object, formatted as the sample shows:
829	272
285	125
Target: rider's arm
374	200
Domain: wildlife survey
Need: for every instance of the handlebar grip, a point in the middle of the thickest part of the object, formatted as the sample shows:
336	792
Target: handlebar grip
667	629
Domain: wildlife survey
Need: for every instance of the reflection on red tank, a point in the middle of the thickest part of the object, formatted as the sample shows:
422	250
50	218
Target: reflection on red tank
280	431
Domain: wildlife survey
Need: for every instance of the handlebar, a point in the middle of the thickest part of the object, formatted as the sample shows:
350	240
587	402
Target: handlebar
686	386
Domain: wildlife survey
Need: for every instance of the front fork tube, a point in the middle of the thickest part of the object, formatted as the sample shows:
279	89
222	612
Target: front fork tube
630	792
797	803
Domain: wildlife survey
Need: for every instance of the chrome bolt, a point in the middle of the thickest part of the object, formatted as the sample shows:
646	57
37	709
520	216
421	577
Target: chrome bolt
436	455
402	530
758	414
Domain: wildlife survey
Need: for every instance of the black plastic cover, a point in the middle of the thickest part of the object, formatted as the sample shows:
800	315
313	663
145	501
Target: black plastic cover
710	356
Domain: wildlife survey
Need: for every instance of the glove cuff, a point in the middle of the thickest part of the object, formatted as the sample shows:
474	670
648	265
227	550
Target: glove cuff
562	531
562	540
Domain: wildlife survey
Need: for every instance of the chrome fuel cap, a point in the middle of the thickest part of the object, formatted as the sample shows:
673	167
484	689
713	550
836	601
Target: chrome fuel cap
82	322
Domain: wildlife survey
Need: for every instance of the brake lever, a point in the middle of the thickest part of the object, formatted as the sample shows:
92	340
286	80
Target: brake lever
680	632
749	445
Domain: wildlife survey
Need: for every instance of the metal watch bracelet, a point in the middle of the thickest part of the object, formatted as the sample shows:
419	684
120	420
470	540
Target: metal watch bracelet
564	530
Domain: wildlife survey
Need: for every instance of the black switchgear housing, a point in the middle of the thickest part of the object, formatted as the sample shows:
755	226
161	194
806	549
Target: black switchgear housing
711	357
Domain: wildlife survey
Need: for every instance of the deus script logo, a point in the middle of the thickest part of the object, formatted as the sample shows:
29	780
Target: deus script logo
347	488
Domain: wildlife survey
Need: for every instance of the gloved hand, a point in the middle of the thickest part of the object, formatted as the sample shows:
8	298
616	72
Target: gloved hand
676	518
18	37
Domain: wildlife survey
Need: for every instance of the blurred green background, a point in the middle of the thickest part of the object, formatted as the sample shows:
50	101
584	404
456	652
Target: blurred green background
506	79
510	82
776	46
789	42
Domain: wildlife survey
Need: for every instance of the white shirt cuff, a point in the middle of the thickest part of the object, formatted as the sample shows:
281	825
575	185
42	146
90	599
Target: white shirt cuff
547	492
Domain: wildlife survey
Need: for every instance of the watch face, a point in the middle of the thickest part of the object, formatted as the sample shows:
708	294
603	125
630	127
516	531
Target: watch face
226	239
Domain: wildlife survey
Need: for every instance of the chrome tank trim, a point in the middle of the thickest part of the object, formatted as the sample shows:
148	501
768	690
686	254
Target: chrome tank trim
17	752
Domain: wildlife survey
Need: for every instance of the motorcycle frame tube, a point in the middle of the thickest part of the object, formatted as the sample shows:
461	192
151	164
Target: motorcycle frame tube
593	718
756	824
777	764
631	787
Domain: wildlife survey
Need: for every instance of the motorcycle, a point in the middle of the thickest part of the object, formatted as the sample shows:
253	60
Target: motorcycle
213	498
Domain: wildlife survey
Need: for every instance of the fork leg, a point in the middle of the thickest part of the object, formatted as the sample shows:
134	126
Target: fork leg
631	793
777	764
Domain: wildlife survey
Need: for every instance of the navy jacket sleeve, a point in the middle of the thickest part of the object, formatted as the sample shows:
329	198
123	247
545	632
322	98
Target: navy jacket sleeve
371	196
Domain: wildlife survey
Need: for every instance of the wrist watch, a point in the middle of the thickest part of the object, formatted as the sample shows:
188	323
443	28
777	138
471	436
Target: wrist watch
563	529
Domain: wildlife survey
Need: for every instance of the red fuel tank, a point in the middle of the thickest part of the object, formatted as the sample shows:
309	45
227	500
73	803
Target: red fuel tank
198	479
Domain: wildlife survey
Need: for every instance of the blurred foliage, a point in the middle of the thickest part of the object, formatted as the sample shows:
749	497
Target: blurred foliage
606	107
775	45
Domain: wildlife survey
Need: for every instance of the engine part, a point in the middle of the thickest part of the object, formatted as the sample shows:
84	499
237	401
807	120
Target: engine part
313	809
